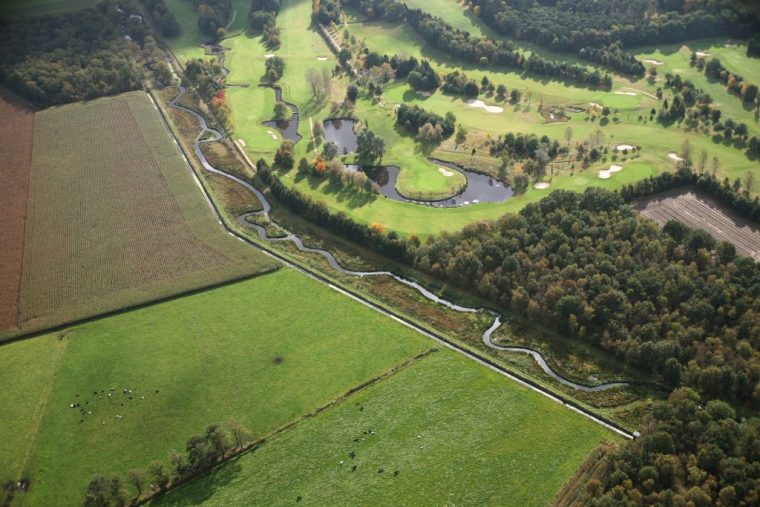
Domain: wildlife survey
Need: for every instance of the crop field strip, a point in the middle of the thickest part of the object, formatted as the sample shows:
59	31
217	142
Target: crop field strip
115	218
16	137
696	210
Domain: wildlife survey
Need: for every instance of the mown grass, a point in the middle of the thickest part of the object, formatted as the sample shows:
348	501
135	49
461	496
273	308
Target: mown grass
442	431
115	217
197	360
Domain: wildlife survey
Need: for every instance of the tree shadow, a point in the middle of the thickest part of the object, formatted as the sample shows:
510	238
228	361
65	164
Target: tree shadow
203	488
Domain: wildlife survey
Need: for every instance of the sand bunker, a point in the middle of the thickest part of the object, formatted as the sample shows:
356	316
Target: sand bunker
615	169
624	147
702	54
322	58
540	186
673	156
445	172
269	55
594	104
653	62
484	106
604	174
242	143
425	94
620	92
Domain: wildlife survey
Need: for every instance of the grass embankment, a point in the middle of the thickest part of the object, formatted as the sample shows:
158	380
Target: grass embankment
264	351
114	216
403	433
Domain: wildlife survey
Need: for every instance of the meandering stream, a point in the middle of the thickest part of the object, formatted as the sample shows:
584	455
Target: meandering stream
208	134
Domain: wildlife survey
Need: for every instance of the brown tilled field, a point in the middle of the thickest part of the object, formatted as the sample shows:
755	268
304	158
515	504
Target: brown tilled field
16	136
115	218
695	209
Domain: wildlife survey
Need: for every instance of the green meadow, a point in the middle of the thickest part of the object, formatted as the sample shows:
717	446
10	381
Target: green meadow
264	351
443	431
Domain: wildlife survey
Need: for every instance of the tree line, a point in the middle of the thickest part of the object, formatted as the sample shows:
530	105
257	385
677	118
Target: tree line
462	45
262	17
213	16
201	453
570	25
614	57
67	57
412	118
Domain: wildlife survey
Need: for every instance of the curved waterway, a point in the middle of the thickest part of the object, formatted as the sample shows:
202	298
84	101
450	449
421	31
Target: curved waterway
479	187
208	134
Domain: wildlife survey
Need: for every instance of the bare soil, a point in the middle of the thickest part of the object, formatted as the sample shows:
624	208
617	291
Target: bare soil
16	139
695	209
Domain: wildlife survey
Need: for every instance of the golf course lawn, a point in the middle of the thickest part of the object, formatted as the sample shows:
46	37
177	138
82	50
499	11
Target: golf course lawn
263	351
443	431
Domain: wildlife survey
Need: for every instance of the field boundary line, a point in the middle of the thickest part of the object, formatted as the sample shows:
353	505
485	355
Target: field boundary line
256	443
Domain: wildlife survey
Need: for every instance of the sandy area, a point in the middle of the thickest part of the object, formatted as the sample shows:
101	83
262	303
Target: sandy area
242	143
274	137
445	172
673	156
594	104
620	92
623	147
540	186
484	106
615	168
653	62
604	174
269	55
702	54
322	58
425	94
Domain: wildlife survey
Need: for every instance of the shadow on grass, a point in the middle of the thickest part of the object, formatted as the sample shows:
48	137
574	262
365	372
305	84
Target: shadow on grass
203	488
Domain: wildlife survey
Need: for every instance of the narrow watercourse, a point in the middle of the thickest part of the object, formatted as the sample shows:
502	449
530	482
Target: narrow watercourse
208	134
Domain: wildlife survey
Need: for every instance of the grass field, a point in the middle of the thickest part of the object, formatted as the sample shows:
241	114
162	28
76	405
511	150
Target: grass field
38	7
264	351
114	216
444	431
16	137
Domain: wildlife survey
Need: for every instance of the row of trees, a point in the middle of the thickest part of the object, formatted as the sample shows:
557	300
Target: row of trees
74	56
614	57
463	45
201	453
734	82
162	17
569	25
263	18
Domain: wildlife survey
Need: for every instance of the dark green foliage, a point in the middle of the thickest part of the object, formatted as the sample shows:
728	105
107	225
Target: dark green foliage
329	12
414	117
206	75
105	492
213	16
569	25
614	57
263	13
458	83
274	68
285	157
72	56
521	146
162	17
424	77
753	46
692	452
587	265
369	146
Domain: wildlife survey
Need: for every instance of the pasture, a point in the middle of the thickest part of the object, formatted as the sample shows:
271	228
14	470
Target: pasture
264	351
114	216
443	431
694	209
16	137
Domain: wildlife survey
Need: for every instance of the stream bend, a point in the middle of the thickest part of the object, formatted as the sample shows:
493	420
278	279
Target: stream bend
208	134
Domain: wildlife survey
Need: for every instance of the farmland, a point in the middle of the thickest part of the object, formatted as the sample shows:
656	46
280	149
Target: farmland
442	431
114	216
16	135
696	210
264	351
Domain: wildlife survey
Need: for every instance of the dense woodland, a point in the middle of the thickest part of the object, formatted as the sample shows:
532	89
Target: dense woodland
74	56
162	17
669	301
691	453
569	25
213	16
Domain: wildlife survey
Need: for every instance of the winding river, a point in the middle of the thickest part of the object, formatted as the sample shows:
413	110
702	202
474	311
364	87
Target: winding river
208	134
